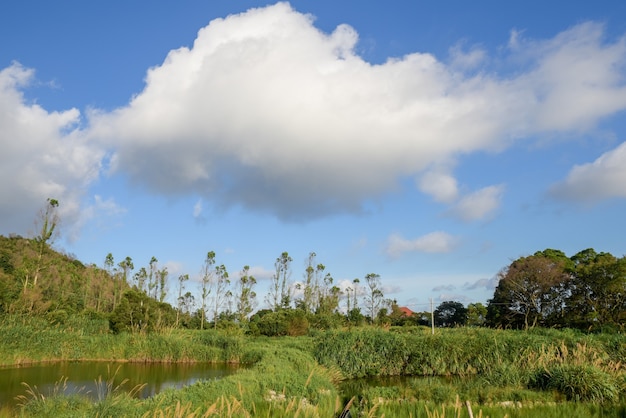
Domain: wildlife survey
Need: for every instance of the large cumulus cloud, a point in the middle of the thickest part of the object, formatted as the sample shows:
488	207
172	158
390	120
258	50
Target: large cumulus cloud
43	156
268	112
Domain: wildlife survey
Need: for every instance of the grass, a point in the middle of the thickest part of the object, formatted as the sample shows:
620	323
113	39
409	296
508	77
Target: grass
544	373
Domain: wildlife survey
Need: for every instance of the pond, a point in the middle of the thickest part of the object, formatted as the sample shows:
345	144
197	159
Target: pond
95	379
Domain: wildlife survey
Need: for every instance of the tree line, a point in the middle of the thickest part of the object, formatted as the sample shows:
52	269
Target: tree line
547	289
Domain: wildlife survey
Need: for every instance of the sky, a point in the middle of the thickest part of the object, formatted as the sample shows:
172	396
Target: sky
431	143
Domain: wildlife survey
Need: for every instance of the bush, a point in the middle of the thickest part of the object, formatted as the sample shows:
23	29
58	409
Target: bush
577	383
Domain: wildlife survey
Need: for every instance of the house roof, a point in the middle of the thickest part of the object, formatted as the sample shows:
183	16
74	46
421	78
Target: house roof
405	311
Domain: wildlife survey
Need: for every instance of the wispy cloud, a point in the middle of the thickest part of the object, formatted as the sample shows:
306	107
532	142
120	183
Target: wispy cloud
435	242
479	205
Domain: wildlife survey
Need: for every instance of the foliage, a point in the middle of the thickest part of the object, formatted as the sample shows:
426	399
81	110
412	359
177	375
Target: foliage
292	322
586	291
64	284
577	382
139	312
298	376
450	314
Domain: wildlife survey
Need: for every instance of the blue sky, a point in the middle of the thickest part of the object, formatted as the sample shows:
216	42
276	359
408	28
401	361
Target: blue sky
431	144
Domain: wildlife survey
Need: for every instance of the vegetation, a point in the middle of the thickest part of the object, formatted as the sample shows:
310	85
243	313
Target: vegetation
549	343
519	373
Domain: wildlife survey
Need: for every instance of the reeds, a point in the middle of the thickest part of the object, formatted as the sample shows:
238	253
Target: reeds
496	370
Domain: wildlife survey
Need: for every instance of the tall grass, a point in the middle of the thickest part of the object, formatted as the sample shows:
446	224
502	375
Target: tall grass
28	340
502	373
578	366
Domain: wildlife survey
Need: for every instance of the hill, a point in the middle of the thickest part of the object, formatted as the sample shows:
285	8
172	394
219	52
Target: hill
37	280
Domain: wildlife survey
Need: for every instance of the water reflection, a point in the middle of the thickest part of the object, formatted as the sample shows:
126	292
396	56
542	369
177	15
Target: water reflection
94	379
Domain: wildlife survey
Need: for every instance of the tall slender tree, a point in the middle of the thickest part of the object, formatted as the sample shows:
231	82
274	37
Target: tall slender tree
279	295
374	297
245	294
47	222
126	267
206	279
220	291
181	300
163	275
153	277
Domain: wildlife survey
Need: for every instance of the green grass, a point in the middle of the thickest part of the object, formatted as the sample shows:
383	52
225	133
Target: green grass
542	373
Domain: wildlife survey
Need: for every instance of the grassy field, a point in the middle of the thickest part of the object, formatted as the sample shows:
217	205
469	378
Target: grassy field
493	373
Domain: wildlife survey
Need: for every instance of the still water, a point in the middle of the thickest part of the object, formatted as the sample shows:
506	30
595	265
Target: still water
94	379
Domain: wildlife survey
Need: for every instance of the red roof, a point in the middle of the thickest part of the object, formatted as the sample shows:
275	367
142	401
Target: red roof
405	311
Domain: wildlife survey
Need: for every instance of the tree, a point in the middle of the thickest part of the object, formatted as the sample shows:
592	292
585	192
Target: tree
47	221
355	285
180	300
245	294
162	274
139	312
220	292
476	314
207	277
450	314
279	295
531	291
598	290
140	279
188	302
109	267
126	266
309	288
153	277
374	296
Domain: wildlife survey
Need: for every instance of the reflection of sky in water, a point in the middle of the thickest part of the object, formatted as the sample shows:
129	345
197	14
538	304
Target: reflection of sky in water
96	379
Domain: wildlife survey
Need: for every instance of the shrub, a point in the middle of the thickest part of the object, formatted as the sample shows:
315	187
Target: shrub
577	382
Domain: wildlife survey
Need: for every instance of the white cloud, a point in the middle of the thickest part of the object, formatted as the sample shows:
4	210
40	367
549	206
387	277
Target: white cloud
260	273
467	60
101	210
197	208
578	78
602	179
479	205
267	112
43	156
439	184
434	242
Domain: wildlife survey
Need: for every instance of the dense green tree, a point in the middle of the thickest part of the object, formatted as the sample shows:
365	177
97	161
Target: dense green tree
355	317
598	292
476	314
137	312
531	291
450	314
